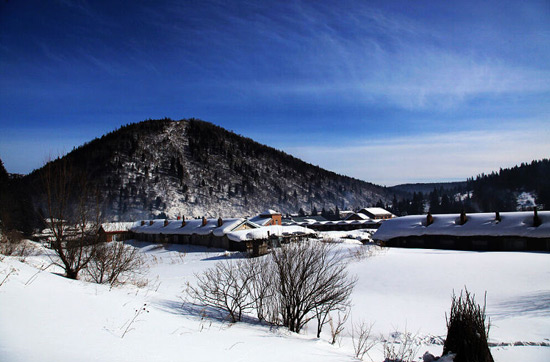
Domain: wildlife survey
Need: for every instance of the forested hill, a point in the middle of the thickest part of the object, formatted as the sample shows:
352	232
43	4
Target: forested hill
521	187
499	190
194	168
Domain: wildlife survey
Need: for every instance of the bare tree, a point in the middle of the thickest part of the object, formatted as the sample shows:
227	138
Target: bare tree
361	339
336	328
261	288
73	216
309	278
225	286
113	262
297	283
401	347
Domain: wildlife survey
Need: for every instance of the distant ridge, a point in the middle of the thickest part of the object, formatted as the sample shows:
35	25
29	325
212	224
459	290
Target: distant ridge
428	186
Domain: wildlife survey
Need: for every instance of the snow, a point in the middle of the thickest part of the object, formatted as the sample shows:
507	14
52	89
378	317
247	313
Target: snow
307	222
361	215
46	317
265	231
511	224
525	201
270	212
194	226
117	226
377	211
260	220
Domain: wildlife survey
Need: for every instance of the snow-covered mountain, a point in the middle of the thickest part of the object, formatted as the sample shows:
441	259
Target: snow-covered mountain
194	168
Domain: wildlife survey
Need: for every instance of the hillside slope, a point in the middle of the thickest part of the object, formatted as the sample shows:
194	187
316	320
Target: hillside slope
194	168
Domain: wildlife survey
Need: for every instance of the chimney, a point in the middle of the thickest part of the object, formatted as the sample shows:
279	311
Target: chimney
183	223
204	221
536	219
151	223
166	222
142	222
179	217
463	218
497	216
220	222
429	219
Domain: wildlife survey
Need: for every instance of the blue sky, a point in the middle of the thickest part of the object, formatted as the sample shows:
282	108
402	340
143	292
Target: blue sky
385	91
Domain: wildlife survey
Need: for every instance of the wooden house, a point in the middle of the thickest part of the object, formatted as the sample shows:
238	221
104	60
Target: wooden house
268	218
376	213
115	231
236	234
506	231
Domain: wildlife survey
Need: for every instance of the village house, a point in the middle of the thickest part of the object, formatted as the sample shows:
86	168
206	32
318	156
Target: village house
115	231
506	231
234	234
267	218
375	213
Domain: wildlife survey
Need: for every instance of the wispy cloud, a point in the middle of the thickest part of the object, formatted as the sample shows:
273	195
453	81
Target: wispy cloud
355	51
430	157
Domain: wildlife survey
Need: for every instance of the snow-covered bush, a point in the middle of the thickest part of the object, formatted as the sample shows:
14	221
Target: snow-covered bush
467	332
401	347
13	243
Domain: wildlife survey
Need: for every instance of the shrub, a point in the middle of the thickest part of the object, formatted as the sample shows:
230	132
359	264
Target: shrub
113	263
225	286
13	243
467	333
298	282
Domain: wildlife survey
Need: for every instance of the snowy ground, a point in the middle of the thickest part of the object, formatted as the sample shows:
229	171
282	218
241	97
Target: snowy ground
46	317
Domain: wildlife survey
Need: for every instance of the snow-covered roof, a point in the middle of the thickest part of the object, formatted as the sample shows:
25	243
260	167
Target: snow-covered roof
360	215
270	212
194	226
336	222
260	220
265	231
482	224
111	227
376	211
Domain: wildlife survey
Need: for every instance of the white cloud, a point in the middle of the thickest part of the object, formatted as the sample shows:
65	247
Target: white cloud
430	158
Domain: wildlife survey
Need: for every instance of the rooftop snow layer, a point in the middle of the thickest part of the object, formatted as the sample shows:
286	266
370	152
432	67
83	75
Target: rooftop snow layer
260	220
194	226
336	222
483	224
377	211
117	226
265	231
269	212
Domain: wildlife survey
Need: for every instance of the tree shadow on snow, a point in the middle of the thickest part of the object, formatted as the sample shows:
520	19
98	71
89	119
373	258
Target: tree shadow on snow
532	305
148	246
198	311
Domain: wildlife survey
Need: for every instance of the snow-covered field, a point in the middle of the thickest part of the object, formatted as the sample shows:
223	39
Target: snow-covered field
45	317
